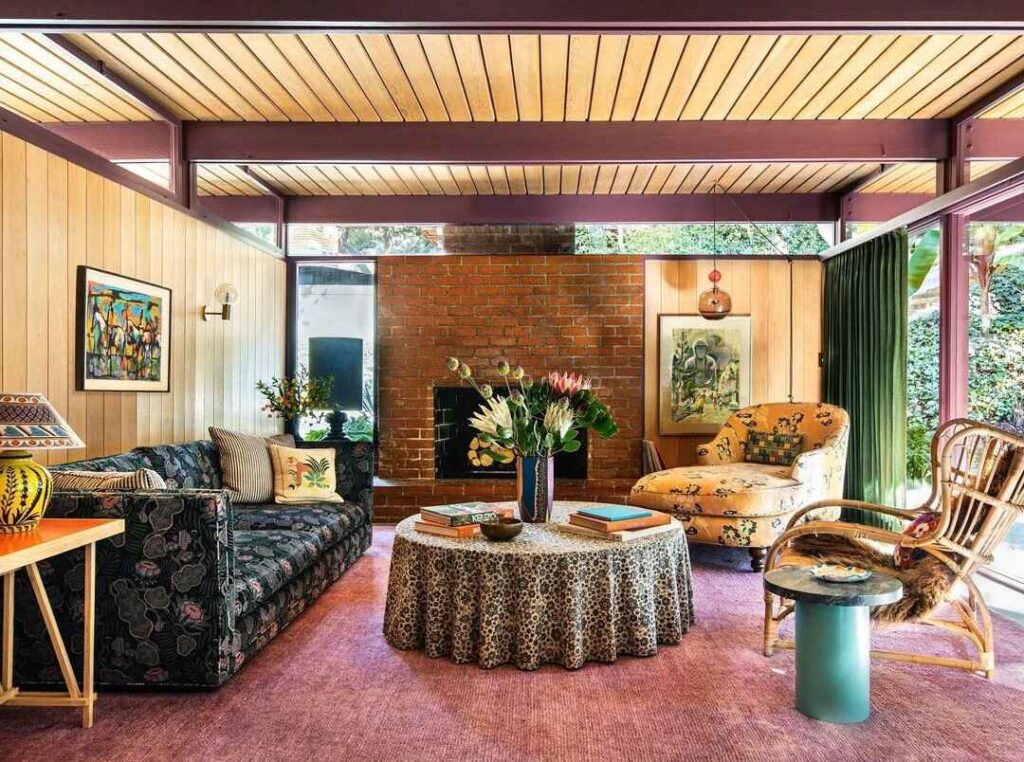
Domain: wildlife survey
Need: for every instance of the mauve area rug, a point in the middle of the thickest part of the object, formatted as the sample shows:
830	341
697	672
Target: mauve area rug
330	688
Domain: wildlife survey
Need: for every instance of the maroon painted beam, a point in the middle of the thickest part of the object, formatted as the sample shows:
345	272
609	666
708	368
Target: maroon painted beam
993	138
879	207
768	207
118	141
536	15
879	140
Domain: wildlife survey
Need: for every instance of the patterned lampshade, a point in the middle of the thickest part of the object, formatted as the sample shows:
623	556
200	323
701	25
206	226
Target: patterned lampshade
29	422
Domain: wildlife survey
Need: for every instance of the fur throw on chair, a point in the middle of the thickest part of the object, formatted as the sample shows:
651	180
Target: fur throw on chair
924	586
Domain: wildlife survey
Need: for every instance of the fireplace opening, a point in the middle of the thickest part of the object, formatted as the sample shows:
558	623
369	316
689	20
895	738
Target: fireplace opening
458	453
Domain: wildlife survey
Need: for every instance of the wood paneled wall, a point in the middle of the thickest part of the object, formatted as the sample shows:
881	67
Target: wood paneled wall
55	216
759	289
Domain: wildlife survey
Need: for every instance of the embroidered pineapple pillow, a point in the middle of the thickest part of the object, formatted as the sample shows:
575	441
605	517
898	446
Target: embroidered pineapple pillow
304	476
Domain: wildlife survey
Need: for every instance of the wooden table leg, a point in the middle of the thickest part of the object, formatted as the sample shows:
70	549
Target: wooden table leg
54	631
7	677
90	625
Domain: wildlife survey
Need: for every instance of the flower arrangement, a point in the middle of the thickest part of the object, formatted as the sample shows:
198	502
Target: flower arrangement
300	396
535	419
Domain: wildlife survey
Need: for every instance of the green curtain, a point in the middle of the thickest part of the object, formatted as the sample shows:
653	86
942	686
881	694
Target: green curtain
866	367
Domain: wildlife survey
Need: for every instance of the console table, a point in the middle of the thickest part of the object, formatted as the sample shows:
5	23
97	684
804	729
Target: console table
24	551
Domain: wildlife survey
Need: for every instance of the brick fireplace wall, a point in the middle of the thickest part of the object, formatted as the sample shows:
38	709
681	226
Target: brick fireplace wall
545	312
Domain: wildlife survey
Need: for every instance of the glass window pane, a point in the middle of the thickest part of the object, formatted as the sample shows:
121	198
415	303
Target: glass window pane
335	327
701	238
313	239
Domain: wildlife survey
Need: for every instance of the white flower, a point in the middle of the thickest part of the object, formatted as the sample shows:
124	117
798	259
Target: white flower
493	415
558	418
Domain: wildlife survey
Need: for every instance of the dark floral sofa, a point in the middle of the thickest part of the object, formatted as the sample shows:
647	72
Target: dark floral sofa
196	586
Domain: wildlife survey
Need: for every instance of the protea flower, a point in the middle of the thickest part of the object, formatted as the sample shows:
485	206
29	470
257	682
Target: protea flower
493	416
558	418
568	384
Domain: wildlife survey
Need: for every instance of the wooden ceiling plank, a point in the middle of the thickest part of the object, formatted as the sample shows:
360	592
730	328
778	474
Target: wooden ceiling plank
570	179
393	180
729	179
786	173
323	175
773	69
580	78
21	91
136	69
170	70
750	175
821	171
1007	108
498	62
247	62
271	56
641	177
534	176
804	171
445	71
588	179
481	179
691	63
373	178
25	108
695	174
411	180
611	53
464	179
887	179
552	179
204	188
727	50
902	48
337	177
213	79
817	59
921	179
443	177
340	78
770	174
392	75
236	181
216	185
426	178
50	57
748	63
554	68
498	179
300	61
636	68
623	178
413	60
352	52
44	90
525	52
516	179
676	174
838	175
1002	67
855	174
658	177
659	78
301	178
605	177
468	55
204	48
921	101
845	66
922	57
359	184
936	70
711	179
155	172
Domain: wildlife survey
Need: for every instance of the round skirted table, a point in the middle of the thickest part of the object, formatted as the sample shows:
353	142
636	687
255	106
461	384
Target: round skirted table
544	597
833	640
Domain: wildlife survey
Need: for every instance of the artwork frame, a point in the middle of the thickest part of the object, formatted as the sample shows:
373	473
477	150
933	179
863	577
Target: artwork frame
675	333
141	361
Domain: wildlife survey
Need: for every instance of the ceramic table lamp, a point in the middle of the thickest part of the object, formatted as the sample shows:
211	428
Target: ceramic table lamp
27	422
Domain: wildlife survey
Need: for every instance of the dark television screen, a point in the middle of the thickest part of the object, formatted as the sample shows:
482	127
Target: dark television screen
343	359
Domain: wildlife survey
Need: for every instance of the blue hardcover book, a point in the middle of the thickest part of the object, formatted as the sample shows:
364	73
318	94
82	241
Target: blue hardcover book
614	513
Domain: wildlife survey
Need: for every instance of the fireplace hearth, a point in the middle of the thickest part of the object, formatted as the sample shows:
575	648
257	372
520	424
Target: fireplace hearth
458	454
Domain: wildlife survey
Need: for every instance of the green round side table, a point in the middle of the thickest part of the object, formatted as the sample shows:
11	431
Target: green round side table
833	640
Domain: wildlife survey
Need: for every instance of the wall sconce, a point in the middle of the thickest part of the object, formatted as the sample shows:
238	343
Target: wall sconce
225	295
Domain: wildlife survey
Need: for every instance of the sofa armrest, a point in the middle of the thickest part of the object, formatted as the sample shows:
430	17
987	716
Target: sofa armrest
354	467
726	447
164	588
825	465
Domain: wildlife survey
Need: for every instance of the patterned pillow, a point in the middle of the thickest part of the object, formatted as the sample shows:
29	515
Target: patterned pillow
925	524
304	476
245	465
774	449
91	481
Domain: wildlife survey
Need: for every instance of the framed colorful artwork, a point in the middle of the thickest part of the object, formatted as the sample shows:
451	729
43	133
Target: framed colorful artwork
704	370
122	334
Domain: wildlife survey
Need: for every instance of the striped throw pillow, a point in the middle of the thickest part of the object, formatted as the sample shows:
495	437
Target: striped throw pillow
245	465
89	481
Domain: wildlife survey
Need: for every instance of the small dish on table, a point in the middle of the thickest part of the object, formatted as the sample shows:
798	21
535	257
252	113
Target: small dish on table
505	528
840	573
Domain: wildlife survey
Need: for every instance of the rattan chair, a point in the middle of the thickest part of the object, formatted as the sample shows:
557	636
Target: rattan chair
978	490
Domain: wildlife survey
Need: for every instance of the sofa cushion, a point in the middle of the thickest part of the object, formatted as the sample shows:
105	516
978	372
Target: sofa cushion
775	449
191	465
124	462
331	522
75	480
734	489
267	559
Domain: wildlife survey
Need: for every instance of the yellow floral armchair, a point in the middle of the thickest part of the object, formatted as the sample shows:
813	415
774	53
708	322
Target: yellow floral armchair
726	500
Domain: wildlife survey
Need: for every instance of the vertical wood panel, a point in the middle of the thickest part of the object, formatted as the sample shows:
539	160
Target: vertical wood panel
758	288
55	216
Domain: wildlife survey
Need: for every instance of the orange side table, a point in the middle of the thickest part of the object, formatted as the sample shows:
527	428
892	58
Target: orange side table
23	551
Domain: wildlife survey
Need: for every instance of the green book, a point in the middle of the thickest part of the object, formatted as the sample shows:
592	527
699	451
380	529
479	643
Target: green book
459	514
613	513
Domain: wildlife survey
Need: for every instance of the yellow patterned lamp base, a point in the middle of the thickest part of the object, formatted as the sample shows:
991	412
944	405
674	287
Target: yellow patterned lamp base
25	488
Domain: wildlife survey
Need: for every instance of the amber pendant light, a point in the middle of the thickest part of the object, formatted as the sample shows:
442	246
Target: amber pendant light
714	304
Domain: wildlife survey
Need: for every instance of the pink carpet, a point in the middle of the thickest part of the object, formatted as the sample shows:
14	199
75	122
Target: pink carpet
330	688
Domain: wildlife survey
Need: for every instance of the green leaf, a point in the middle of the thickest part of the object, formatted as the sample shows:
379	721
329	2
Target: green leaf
571	446
922	259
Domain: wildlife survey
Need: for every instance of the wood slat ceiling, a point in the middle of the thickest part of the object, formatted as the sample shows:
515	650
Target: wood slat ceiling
586	179
526	77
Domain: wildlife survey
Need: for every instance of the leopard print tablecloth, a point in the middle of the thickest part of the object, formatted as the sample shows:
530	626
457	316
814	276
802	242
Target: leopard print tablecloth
544	597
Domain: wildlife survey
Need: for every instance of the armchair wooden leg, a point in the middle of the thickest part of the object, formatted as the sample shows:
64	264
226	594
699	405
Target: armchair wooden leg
757	557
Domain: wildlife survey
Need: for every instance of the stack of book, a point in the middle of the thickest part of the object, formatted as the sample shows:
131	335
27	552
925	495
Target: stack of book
459	520
617	522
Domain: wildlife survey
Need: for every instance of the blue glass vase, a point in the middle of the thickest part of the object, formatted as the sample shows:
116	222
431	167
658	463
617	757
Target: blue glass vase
535	487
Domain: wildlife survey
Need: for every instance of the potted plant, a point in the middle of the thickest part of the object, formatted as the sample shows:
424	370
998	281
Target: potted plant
295	397
532	422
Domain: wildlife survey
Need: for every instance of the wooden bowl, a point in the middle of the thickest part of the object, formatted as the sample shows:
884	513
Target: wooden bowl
501	530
